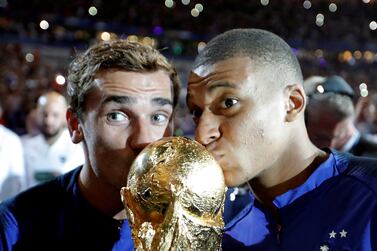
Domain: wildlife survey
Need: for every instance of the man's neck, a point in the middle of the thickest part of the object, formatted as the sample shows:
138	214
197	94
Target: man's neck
278	180
52	139
101	196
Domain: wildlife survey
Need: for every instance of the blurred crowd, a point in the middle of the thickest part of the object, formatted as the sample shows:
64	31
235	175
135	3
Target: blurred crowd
347	27
334	120
28	70
22	83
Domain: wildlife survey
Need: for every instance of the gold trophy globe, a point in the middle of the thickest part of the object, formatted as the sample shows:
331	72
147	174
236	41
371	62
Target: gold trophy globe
174	198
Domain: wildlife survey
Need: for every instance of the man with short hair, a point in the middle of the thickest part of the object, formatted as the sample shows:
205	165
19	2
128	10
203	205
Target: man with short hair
330	115
328	104
122	96
51	152
246	96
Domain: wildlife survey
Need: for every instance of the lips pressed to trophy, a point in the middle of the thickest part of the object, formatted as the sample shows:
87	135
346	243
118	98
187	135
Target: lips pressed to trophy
174	197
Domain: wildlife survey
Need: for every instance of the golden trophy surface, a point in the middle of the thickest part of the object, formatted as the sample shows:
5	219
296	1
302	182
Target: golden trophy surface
174	197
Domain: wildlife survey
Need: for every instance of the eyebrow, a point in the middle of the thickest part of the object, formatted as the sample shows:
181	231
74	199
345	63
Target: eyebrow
127	100
162	101
120	100
213	86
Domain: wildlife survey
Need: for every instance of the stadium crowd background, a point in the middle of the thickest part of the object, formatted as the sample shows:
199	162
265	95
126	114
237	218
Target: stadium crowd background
39	39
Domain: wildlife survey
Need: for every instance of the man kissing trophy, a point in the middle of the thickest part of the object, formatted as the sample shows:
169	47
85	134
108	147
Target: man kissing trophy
174	197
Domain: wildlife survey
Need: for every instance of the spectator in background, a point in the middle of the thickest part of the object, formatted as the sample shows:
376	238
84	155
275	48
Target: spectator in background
372	113
330	117
364	112
122	98
329	102
31	124
51	152
12	171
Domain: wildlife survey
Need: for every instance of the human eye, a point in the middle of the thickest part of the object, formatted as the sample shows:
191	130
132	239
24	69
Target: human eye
159	118
229	102
196	113
117	117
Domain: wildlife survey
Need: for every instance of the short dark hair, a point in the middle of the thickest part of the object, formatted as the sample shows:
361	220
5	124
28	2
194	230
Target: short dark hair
114	54
340	106
335	98
267	51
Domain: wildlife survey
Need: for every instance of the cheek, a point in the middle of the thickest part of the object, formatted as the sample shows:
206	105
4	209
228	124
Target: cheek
165	131
245	132
97	136
108	139
256	139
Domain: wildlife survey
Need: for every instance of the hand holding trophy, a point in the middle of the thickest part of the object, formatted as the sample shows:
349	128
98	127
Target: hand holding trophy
174	197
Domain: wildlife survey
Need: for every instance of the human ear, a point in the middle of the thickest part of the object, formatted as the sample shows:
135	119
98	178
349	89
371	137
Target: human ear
74	127
295	101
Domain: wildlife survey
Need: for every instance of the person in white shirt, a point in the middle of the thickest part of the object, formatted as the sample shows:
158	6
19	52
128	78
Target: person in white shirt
51	152
12	170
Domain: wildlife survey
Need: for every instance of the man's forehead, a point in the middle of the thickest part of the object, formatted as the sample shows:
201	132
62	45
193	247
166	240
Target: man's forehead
202	71
55	102
228	63
235	66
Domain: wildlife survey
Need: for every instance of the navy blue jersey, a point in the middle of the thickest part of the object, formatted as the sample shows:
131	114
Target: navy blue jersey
335	209
55	216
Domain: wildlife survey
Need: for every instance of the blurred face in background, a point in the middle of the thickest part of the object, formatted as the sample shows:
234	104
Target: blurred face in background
51	112
320	127
371	114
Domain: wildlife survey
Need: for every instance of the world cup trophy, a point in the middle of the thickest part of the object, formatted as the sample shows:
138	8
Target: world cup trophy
174	197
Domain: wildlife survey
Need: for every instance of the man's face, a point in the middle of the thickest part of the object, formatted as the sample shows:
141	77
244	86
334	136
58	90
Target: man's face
321	127
52	115
124	113
239	117
343	131
373	118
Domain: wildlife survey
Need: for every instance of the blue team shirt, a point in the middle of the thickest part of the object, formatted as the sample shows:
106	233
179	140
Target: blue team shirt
55	216
335	209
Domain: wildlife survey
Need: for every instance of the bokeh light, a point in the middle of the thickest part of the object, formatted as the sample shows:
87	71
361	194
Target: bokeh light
105	36
195	12
333	7
199	7
44	25
169	3
320	89
363	86
29	57
364	93
264	2
307	4
60	79
373	25
92	11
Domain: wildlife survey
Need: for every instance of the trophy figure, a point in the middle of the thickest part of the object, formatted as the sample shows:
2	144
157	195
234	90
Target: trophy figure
174	197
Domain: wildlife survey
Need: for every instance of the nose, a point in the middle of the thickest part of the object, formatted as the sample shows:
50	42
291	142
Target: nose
48	119
143	134
207	130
